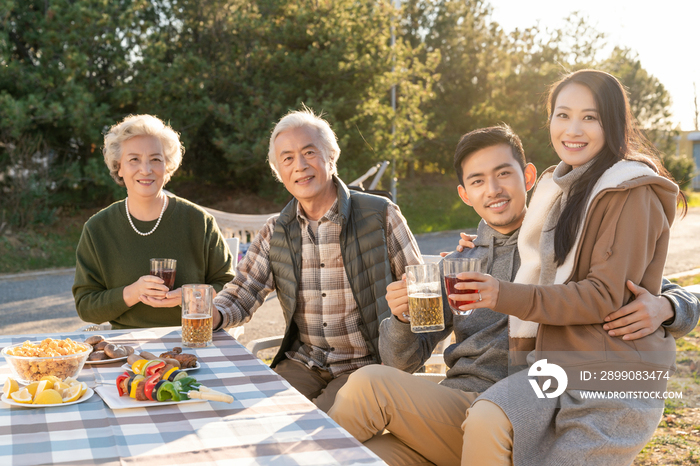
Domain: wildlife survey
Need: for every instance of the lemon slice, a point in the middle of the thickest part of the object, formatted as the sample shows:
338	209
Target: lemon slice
32	388
51	378
72	394
10	387
83	388
43	385
48	397
21	396
60	386
70	381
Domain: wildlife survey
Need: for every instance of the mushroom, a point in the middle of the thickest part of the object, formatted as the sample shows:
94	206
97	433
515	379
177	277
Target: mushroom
94	339
97	356
100	346
115	351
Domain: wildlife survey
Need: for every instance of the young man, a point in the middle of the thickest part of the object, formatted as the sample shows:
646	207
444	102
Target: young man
330	255
424	419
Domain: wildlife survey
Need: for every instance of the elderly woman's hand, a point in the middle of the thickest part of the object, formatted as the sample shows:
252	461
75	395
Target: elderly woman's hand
148	286
171	299
486	291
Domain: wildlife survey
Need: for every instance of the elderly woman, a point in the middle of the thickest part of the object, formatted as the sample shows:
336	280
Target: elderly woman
112	281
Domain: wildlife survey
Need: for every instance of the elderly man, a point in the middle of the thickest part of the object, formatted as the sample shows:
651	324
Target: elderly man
330	255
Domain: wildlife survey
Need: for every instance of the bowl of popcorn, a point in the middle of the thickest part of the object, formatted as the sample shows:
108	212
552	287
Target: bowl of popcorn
30	361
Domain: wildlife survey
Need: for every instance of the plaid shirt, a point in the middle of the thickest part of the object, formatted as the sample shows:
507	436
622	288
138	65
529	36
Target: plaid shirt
326	313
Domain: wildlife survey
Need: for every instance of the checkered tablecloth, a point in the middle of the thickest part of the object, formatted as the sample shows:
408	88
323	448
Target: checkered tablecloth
268	422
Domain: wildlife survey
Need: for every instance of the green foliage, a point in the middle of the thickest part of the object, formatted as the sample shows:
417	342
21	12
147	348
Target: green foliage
229	69
650	102
222	72
66	68
470	49
682	167
487	77
26	184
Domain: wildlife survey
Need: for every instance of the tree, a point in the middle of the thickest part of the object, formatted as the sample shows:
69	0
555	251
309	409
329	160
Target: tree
469	47
230	69
650	102
65	74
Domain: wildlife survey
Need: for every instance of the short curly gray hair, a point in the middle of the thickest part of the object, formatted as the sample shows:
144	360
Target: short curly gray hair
142	125
299	119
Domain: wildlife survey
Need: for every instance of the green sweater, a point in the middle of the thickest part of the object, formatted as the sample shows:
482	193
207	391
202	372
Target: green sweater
111	256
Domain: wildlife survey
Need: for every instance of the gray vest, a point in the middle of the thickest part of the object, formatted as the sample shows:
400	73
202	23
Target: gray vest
365	256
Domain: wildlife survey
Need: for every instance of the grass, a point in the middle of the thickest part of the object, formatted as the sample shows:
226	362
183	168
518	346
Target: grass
693	198
430	203
687	281
41	246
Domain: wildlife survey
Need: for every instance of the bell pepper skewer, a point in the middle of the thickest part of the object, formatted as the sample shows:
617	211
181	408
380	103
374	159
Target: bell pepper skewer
171	385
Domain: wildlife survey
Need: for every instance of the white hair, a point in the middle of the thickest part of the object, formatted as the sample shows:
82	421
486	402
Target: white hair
142	125
300	119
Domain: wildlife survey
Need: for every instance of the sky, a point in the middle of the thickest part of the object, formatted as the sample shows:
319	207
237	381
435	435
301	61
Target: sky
665	34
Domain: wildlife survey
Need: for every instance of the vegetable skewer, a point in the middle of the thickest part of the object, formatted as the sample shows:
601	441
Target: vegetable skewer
159	381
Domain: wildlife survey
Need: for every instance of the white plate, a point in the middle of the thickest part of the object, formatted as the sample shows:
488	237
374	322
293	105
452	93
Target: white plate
12	402
106	361
127	366
110	394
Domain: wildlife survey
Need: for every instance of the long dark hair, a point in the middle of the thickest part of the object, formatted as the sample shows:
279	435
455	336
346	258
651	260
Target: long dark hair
623	140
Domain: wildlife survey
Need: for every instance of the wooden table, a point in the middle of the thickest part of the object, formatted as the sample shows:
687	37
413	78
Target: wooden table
268	423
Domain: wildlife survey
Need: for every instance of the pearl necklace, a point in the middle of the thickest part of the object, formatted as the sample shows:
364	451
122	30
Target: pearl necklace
160	217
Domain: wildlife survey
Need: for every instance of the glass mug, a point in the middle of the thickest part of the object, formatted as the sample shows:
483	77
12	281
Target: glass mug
165	269
451	267
425	298
197	319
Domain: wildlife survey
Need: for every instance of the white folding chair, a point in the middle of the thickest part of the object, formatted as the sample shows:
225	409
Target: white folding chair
241	226
95	327
255	346
232	244
431	259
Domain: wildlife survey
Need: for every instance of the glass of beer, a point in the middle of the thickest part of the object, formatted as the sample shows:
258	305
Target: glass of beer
165	269
451	267
197	305
425	298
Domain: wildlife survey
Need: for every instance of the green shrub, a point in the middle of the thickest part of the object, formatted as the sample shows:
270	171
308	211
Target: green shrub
682	167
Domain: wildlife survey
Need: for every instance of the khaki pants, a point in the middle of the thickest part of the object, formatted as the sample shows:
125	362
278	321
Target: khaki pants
423	419
317	385
488	436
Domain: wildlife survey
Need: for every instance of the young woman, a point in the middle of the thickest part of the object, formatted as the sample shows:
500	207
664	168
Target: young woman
598	219
112	281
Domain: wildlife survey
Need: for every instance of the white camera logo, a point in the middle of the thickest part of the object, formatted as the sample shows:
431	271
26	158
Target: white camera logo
543	369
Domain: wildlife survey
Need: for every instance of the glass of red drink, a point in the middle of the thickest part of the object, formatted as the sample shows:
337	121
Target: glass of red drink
165	269
453	266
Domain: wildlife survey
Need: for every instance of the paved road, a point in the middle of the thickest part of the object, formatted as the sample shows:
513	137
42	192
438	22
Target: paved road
50	307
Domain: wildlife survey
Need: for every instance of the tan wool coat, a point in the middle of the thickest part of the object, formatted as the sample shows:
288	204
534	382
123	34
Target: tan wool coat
624	236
